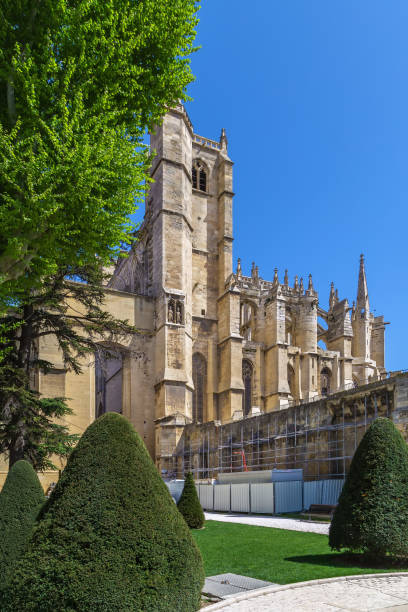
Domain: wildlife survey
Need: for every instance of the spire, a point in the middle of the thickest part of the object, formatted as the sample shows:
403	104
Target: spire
301	287
275	277
310	285
296	285
332	296
224	140
286	279
253	270
239	269
362	292
336	297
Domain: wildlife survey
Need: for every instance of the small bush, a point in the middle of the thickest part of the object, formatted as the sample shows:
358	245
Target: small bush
372	514
110	538
189	504
20	502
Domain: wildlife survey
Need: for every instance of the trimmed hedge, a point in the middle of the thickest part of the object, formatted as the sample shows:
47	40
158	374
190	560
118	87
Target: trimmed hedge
111	538
20	502
372	514
189	504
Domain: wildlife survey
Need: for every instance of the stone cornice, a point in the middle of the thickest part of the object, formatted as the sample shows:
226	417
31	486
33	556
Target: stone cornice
227	193
226	237
168	211
204	318
173	163
200	251
229	338
228	291
202	193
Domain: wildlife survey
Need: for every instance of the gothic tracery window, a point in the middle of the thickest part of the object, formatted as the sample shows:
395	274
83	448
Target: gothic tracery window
200	387
247	320
199	175
247	376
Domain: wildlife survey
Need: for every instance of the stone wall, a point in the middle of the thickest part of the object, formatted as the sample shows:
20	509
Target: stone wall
319	436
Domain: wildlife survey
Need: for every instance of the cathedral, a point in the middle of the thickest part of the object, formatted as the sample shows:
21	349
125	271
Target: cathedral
213	345
228	346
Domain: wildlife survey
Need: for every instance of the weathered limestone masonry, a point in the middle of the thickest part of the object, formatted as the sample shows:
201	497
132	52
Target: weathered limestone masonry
213	344
226	345
319	437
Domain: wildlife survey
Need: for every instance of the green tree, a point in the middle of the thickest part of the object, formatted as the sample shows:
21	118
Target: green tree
80	82
372	513
32	427
110	537
189	504
20	502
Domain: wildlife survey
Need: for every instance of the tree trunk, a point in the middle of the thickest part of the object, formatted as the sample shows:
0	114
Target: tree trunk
17	450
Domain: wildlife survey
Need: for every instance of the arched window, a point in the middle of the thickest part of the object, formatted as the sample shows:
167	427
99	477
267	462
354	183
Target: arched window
199	175
247	320
325	376
108	383
247	376
200	387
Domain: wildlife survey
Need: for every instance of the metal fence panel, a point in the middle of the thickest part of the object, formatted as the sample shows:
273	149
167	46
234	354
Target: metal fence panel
240	497
312	493
245	477
222	495
176	488
288	496
207	496
286	475
331	491
262	498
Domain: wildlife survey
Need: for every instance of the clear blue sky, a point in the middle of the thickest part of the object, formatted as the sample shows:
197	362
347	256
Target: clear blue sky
314	97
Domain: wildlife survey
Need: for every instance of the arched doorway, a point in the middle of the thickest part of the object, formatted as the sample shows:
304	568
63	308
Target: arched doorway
247	379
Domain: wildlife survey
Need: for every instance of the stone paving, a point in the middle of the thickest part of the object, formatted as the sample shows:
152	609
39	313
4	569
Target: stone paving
380	592
269	521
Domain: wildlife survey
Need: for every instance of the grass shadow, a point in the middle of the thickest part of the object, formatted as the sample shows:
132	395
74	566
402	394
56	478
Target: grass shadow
350	560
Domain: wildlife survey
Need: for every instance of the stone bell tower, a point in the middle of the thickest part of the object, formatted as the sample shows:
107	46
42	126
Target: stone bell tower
169	213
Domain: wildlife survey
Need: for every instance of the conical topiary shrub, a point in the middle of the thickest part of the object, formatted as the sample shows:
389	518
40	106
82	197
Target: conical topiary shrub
189	504
372	514
20	502
110	537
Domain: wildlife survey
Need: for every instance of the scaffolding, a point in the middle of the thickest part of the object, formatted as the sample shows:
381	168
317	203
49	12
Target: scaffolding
319	437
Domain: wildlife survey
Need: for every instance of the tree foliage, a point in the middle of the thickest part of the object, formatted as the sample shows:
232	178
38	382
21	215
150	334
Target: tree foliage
20	502
80	82
73	315
189	504
110	537
372	513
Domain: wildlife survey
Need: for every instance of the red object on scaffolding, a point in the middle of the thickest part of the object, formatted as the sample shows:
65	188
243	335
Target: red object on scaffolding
244	463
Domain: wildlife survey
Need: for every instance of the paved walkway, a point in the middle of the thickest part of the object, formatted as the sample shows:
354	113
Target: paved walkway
380	592
269	521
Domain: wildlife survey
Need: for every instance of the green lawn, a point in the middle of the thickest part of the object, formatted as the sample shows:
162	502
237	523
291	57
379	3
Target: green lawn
276	555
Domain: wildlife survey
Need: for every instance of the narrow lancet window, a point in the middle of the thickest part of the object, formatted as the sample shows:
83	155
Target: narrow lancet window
247	375
199	175
200	387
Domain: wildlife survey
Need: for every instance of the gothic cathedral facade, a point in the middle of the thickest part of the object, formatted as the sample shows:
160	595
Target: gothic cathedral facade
228	346
212	344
